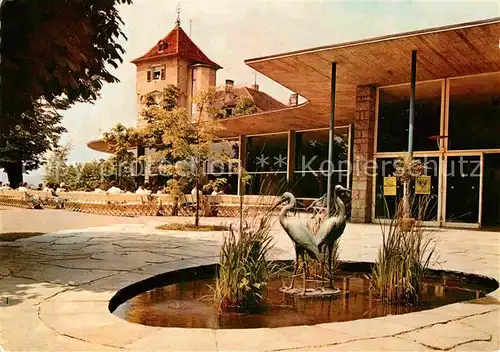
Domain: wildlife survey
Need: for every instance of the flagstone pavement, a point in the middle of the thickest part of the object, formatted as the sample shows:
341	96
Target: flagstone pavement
56	290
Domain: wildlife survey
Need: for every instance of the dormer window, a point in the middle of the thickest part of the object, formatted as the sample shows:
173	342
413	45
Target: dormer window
162	46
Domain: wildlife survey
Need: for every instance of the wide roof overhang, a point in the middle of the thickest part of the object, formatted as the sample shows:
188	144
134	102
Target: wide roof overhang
457	50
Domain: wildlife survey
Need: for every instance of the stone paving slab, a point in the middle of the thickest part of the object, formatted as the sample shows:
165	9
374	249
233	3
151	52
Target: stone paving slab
60	284
446	336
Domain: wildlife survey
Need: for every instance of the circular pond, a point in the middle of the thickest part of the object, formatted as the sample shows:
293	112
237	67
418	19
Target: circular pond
183	298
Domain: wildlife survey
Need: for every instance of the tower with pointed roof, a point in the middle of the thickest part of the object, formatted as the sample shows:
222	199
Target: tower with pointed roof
174	60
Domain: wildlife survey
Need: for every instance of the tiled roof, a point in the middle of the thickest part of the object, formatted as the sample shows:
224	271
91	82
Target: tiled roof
177	43
263	101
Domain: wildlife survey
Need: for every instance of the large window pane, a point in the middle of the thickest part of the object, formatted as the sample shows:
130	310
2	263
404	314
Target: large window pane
267	184
313	184
312	150
393	117
267	153
462	189
475	112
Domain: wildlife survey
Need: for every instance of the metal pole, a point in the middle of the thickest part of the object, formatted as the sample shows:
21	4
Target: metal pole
330	139
412	101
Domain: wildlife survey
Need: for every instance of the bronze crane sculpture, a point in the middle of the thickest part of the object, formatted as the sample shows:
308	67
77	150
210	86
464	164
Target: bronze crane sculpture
333	227
302	238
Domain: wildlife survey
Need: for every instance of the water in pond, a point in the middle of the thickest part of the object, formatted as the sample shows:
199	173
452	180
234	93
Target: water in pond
188	304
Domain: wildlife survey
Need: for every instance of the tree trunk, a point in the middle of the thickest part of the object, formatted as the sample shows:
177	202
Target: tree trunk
14	173
197	214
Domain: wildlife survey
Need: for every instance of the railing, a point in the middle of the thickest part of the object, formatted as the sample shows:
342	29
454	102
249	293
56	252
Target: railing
134	204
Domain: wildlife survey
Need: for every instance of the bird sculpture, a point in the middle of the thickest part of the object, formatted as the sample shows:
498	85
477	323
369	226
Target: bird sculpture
333	227
302	238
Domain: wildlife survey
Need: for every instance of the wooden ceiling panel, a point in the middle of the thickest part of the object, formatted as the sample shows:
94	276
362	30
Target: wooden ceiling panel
444	52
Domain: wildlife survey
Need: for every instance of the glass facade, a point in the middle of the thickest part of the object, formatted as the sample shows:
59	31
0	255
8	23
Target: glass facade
474	121
266	163
267	153
393	117
311	164
470	124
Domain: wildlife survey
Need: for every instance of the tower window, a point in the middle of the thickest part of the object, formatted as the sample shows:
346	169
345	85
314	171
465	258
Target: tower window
156	73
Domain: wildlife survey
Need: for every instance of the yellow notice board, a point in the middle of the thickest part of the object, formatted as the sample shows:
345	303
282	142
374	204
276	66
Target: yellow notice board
423	185
389	186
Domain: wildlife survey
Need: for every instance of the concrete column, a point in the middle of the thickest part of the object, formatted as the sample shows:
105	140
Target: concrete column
363	167
290	169
242	153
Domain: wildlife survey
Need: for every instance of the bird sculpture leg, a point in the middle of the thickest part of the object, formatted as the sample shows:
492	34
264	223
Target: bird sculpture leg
330	249
304	269
323	263
295	269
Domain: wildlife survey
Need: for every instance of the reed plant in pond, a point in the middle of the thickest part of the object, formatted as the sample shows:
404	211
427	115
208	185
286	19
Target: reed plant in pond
245	269
406	253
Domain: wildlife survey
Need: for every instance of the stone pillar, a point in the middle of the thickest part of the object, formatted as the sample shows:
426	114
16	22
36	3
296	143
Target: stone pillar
363	161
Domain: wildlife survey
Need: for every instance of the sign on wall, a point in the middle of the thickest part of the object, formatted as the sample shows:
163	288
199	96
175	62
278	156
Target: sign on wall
423	185
390	186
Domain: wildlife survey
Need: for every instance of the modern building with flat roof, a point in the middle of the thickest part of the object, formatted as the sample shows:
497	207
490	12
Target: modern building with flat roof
455	132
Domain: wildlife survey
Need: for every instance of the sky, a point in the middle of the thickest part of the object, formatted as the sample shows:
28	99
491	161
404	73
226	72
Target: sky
229	32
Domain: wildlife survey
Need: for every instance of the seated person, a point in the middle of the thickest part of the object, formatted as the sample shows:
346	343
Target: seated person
114	189
143	189
23	186
100	189
61	188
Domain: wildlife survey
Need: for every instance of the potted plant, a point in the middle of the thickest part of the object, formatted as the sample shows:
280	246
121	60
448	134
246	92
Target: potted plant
407	170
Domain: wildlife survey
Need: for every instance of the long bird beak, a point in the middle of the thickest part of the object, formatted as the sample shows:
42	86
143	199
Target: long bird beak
281	201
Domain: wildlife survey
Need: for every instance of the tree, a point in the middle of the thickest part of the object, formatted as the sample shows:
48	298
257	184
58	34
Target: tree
244	106
23	144
186	141
54	53
120	141
78	176
57	165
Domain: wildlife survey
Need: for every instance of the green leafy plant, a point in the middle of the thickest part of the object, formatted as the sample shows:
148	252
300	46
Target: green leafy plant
404	257
244	106
245	271
45	69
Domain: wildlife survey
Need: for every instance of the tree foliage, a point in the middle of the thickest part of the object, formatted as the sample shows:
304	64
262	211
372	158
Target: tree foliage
79	176
186	141
244	106
120	141
28	138
54	54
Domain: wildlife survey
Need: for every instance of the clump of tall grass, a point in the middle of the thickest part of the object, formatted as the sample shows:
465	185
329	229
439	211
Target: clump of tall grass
245	269
407	251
